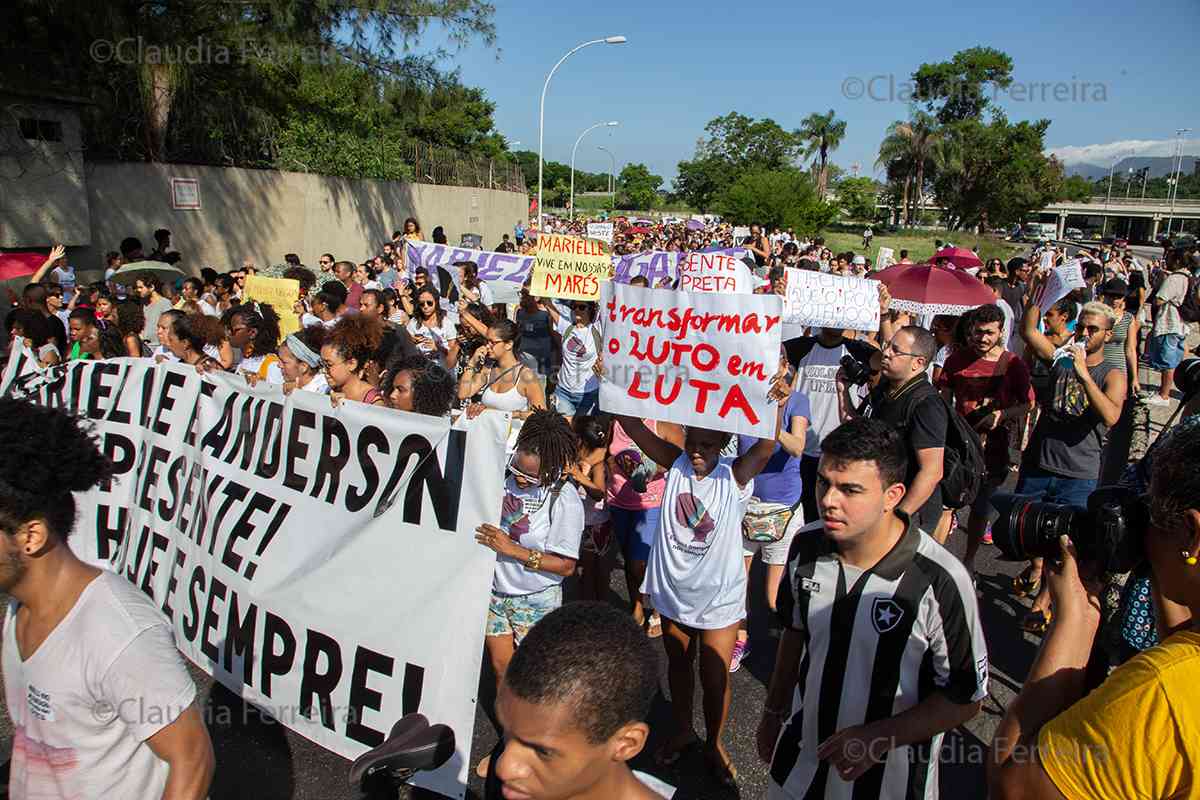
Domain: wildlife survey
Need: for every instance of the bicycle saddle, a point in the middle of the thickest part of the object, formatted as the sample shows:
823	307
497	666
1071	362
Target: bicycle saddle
412	745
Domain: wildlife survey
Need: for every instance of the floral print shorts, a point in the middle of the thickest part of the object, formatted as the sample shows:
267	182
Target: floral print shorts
515	614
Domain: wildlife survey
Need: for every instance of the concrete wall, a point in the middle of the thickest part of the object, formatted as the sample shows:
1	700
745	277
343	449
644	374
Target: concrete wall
263	214
42	196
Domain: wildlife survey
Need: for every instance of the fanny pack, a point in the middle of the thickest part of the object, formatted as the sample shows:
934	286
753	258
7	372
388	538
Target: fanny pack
766	522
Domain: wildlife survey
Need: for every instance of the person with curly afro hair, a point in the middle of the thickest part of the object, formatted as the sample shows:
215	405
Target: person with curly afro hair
83	645
414	383
130	321
352	343
253	330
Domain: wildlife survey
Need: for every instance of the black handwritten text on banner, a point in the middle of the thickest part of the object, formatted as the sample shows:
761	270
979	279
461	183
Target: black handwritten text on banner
319	562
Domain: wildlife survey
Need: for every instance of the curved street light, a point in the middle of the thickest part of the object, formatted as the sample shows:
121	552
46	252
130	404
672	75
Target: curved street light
542	108
612	124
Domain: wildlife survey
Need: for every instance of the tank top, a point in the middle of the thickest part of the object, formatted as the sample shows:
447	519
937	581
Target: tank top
1114	350
511	400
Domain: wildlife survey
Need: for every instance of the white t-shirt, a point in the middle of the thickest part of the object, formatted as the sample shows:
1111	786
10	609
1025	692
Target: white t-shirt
318	384
307	320
274	374
817	372
440	336
579	353
105	680
525	516
695	574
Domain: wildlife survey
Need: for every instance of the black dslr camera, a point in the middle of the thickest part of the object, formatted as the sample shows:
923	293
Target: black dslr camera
1108	534
857	373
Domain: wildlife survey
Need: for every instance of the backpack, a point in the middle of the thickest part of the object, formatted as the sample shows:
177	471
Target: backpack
1189	309
963	467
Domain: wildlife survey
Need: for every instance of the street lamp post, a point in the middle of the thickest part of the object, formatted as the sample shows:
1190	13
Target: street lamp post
612	124
542	108
612	178
1173	183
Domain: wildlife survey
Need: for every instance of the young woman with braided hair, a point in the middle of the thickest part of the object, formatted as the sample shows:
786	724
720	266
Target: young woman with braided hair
537	543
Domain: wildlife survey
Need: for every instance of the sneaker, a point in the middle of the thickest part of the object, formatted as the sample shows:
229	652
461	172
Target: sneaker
740	650
1157	399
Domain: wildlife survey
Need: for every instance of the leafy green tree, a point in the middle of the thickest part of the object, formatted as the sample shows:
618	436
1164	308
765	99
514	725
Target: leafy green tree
958	89
733	144
637	187
1076	188
856	196
776	199
822	134
912	149
224	82
996	173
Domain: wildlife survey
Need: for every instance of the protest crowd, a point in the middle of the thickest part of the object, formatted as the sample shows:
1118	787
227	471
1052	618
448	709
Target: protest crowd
998	403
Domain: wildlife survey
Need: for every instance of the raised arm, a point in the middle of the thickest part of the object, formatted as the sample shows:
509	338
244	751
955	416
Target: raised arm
1042	347
56	252
659	449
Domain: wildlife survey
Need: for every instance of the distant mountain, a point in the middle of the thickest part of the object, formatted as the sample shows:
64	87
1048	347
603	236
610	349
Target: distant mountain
1160	166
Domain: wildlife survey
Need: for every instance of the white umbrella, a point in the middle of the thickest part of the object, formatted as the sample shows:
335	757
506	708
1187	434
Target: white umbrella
129	273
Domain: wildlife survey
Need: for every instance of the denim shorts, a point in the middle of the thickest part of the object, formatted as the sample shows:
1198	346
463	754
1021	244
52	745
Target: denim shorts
516	613
572	404
1165	351
635	530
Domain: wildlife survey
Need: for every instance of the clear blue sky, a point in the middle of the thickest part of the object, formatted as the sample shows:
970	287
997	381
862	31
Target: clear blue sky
686	63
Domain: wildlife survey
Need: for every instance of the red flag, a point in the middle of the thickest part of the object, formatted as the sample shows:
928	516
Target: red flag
18	265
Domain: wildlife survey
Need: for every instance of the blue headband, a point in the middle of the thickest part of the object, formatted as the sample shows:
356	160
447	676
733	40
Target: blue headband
302	351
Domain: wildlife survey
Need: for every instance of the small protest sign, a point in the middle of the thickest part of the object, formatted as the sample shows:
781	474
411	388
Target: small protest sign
602	231
569	267
281	294
699	359
714	271
885	258
471	240
1047	261
741	233
829	301
1062	280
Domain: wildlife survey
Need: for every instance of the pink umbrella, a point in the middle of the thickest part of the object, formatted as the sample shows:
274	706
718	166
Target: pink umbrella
926	289
958	256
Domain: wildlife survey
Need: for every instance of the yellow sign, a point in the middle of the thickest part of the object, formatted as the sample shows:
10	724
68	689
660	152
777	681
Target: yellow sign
281	294
569	267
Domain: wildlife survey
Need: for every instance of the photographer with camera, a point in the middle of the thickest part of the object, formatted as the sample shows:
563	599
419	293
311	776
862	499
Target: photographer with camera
906	400
1080	399
1136	735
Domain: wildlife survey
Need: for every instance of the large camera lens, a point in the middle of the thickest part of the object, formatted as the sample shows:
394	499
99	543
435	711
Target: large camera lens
1027	528
1187	376
856	372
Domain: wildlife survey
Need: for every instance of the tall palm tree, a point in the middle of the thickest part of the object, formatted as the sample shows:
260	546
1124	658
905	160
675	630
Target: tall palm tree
822	134
908	148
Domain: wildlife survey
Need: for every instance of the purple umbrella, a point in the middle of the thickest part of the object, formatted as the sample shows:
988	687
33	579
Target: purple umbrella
695	225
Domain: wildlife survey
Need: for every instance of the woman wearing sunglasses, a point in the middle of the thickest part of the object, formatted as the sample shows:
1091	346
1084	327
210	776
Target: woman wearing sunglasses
537	542
695	576
351	344
433	334
499	379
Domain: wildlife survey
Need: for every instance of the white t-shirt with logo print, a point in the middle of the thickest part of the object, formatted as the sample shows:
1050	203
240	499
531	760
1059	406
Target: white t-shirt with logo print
579	354
106	679
525	516
695	574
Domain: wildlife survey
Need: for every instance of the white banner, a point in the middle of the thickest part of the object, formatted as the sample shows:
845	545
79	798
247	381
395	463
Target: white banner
319	562
829	301
885	258
1062	280
714	271
696	359
602	231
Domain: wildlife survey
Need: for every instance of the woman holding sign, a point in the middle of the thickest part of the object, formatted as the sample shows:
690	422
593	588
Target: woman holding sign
695	576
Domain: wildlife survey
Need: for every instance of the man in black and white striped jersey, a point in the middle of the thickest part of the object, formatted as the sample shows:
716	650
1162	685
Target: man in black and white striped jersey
882	650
